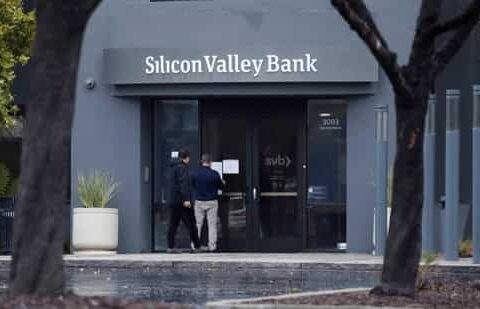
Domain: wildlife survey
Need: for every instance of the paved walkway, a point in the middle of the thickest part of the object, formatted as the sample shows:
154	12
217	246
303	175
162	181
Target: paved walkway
210	277
274	258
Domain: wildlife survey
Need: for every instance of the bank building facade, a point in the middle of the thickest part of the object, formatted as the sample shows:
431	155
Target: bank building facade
281	93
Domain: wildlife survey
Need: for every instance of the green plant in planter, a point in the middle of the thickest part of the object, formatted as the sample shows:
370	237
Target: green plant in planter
96	189
466	248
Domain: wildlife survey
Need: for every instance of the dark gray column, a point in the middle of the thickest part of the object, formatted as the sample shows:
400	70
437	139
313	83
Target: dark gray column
476	174
381	172
428	224
452	152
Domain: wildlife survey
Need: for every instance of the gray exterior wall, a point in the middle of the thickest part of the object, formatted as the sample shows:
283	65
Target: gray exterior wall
112	123
462	73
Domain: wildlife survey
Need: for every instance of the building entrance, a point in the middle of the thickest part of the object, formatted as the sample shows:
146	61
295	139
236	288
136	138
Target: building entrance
284	162
260	148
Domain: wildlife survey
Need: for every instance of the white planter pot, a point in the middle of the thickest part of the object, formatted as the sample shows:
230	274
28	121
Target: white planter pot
95	230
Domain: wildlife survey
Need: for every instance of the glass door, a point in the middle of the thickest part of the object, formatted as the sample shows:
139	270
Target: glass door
226	137
262	205
279	173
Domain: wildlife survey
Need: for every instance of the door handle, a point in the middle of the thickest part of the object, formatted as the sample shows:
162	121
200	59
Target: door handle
254	193
278	194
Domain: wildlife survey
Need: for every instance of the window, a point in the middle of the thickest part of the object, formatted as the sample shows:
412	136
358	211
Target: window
175	127
326	196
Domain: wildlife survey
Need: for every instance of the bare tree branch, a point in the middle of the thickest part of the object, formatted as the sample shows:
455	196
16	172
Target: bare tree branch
357	15
450	47
469	14
429	14
364	13
423	46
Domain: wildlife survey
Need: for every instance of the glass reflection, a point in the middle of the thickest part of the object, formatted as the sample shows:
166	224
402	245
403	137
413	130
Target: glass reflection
176	127
278	178
326	197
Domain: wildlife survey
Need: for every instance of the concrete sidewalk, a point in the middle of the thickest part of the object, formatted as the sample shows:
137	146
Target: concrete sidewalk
283	258
268	260
211	277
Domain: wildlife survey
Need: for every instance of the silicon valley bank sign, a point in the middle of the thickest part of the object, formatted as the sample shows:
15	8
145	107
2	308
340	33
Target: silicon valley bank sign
231	63
135	66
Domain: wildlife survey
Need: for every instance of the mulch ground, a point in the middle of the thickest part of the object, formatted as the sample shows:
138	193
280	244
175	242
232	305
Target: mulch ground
78	302
441	294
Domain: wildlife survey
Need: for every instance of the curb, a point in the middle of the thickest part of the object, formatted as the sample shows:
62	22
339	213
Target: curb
284	296
74	264
240	303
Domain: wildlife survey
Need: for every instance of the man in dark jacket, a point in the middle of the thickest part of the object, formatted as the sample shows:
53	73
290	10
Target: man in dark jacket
180	202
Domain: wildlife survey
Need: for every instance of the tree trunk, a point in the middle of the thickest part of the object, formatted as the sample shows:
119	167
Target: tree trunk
403	248
39	227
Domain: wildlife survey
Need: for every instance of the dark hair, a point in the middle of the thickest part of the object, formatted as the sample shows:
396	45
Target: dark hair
206	158
183	154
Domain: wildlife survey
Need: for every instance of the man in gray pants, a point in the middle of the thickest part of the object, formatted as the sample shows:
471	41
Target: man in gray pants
206	183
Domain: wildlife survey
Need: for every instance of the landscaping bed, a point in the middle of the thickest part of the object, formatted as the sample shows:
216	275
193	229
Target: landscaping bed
77	302
440	294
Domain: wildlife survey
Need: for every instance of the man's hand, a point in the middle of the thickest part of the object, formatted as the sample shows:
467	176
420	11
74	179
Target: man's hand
187	204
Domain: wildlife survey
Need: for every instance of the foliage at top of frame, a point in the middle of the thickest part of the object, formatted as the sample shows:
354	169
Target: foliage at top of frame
17	30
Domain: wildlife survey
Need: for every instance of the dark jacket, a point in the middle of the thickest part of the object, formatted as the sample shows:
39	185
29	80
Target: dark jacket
206	183
179	184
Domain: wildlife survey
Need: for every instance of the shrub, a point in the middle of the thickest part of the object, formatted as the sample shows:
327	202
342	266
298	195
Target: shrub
96	189
466	248
428	260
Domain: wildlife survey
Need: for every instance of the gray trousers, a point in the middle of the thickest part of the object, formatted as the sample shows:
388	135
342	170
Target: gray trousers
209	209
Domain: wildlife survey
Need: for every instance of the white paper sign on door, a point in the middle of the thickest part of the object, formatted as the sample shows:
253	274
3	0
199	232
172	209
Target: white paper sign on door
218	167
231	166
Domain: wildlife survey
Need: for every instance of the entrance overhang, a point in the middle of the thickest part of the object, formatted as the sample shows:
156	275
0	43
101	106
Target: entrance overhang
265	89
